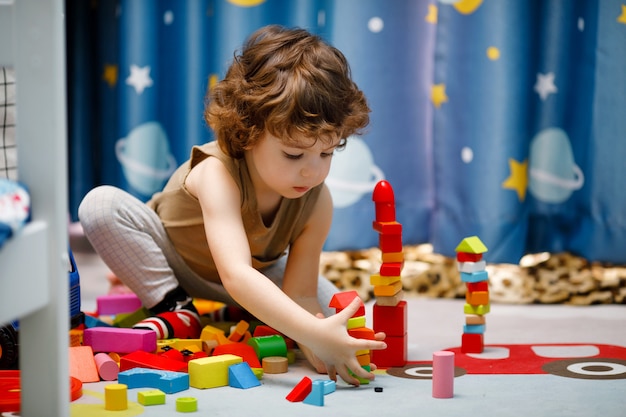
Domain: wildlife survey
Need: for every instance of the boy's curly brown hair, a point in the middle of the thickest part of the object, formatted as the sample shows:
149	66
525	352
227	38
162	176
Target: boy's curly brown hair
286	82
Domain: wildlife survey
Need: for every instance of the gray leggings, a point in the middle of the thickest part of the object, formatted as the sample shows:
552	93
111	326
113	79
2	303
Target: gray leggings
132	242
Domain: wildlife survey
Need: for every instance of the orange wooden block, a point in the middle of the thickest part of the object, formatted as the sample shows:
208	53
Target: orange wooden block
82	364
477	298
364	360
377	279
239	331
392	257
387	228
388	290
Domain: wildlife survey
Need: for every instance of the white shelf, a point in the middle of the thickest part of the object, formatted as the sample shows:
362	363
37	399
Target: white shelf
24	262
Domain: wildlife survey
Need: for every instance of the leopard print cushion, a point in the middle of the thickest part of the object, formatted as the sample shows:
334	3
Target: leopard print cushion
538	278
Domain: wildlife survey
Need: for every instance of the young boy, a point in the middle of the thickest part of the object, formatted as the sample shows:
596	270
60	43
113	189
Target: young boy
245	219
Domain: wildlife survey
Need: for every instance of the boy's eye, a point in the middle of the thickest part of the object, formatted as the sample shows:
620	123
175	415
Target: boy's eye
292	156
327	154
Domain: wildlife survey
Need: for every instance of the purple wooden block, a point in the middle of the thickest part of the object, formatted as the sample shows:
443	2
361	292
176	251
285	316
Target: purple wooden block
110	305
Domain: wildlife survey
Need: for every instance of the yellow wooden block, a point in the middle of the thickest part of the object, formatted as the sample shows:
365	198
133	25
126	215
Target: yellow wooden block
356	322
479	310
211	372
151	397
362	352
186	404
116	397
393	257
377	279
211	333
387	290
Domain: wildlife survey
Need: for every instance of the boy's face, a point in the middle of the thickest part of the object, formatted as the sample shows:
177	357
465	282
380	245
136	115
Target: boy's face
290	169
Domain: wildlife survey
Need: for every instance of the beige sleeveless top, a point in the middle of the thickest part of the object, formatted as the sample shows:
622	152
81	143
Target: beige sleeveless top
182	217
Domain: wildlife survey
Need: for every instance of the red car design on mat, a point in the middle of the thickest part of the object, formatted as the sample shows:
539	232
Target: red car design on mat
585	361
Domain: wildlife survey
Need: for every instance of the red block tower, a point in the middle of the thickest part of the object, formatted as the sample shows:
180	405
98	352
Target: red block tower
390	310
469	256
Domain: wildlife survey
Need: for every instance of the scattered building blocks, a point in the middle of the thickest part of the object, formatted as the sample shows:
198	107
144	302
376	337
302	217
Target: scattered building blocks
120	340
240	375
301	390
166	381
141	359
82	364
113	304
186	404
107	367
115	397
443	374
151	397
211	372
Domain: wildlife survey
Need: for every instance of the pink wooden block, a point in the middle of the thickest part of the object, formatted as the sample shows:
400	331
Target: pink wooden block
112	304
119	340
107	367
443	374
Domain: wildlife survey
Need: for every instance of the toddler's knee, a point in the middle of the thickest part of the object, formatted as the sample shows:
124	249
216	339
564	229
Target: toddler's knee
95	205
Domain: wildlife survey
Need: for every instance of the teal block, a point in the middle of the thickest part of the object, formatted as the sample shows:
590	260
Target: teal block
316	396
474	276
240	375
167	381
474	328
329	386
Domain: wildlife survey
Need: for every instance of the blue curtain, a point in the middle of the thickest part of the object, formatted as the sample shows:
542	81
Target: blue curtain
496	118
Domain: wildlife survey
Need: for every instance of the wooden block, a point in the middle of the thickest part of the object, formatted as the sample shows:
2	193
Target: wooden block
471	244
120	340
473	319
387	290
272	345
82	364
239	331
474	328
477	298
301	390
364	359
151	397
240	375
477	286
384	202
474	276
390	301
389	228
377	279
115	397
469	257
362	333
211	372
391	320
343	299
275	365
472	266
113	304
392	257
479	309
107	367
141	359
390	243
391	269
443	374
243	350
472	343
167	381
186	404
316	396
356	322
394	355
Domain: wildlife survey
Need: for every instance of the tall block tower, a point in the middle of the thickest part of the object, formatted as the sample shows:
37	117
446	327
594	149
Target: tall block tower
390	310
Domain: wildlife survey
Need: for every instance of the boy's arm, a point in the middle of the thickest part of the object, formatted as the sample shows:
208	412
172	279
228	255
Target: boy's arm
219	197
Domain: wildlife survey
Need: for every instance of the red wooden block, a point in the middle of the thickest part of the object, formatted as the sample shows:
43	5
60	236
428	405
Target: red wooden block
341	300
391	269
301	390
390	319
387	228
477	286
141	359
362	333
384	202
394	355
243	350
390	243
468	257
472	343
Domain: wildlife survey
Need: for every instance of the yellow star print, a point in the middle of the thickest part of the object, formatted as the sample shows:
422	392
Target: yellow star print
622	18
110	74
438	95
518	180
431	17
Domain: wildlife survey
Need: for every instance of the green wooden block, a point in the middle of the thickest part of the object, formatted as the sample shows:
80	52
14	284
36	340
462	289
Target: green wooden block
151	397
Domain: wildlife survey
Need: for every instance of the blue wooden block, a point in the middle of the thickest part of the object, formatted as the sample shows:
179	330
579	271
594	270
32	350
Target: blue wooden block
329	386
316	396
474	276
474	328
240	375
167	381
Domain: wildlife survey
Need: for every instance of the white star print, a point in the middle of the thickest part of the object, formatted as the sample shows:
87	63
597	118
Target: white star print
545	85
139	78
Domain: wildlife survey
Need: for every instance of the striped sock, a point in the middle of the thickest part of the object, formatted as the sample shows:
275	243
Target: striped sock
181	324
